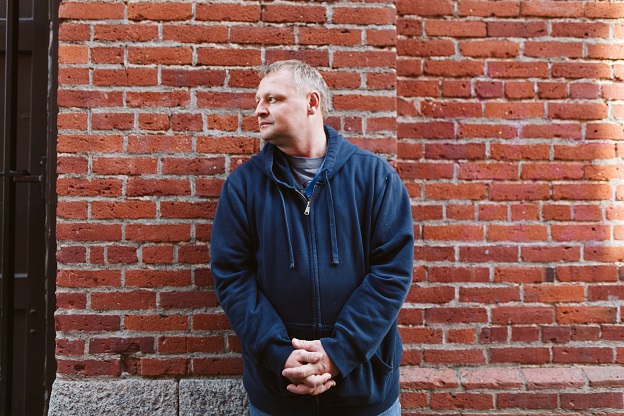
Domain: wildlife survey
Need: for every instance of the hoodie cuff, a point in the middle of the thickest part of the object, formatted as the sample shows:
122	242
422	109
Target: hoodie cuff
344	361
275	355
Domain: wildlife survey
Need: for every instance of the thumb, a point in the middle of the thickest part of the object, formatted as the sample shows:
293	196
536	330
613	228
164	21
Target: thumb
301	344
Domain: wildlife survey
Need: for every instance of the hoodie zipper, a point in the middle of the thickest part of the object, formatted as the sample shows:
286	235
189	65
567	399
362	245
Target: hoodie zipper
308	200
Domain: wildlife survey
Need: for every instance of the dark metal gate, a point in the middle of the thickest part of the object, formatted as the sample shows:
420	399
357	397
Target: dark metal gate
27	280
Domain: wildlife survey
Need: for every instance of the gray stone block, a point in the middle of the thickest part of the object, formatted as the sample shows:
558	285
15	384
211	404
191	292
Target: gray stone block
114	398
213	397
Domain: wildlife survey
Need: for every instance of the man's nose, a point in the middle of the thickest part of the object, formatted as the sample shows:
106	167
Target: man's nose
260	109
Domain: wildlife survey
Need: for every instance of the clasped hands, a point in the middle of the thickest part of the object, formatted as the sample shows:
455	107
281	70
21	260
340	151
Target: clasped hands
309	368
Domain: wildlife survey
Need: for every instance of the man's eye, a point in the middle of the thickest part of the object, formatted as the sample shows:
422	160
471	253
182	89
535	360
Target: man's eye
271	99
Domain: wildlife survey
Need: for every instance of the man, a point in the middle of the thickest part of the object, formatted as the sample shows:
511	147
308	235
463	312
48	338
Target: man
312	256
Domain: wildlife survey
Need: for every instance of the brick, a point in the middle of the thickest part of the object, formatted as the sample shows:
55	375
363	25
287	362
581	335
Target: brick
125	77
489	295
488	9
486	254
458	274
91	10
74	210
425	8
415	335
475	130
158	367
89	367
506	69
477	401
552	171
582	70
119	345
426	130
453	233
87	323
604	377
516	29
159	143
580	401
195	34
218	366
438	294
445	109
123	300
88	99
150	278
65	347
72	254
553	49
556	334
229	12
154	122
514	110
520	355
520	274
445	315
451	68
428	378
188	300
508	191
449	357
366	59
194	166
88	232
276	13
125	32
71	301
585	355
586	314
265	35
527	400
73	54
87	278
605	10
523	315
159	11
489	48
158	232
586	273
519	232
156	322
157	187
461	336
457	29
554	294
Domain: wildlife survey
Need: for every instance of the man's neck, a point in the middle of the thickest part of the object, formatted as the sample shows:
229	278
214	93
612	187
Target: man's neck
314	146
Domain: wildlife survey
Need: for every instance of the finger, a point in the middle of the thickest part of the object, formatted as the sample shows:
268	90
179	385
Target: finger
301	344
303	389
323	388
301	371
310	357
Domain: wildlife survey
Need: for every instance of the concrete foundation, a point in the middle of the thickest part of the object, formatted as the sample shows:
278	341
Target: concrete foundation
144	397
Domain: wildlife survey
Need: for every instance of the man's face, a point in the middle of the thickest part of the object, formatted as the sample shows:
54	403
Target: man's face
282	111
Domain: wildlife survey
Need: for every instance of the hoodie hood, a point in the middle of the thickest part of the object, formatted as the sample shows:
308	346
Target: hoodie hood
273	164
270	160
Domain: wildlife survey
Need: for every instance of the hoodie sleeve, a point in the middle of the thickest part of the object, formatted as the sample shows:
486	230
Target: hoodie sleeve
374	306
255	321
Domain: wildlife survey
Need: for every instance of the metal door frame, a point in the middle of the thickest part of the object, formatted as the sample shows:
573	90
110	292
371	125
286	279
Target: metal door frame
9	175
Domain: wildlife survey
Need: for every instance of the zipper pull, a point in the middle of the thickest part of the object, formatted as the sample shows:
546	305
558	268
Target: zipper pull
307	210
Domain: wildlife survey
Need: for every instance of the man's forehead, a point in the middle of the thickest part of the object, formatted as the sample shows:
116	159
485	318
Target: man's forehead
282	78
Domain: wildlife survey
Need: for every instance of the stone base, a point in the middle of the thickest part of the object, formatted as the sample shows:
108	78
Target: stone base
144	397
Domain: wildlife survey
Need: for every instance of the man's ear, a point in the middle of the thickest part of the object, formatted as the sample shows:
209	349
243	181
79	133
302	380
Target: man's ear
314	103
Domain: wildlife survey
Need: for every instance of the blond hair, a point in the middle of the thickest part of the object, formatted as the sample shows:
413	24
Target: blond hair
307	79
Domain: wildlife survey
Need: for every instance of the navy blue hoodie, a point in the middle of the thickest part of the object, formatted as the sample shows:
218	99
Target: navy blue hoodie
338	273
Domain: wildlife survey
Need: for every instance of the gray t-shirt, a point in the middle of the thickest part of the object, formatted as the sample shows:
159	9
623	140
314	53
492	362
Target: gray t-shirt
304	168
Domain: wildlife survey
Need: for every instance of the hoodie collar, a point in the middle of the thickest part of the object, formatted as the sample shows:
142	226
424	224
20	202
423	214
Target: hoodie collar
271	160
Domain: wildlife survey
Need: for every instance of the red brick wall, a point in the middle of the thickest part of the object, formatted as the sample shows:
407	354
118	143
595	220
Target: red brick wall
503	118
